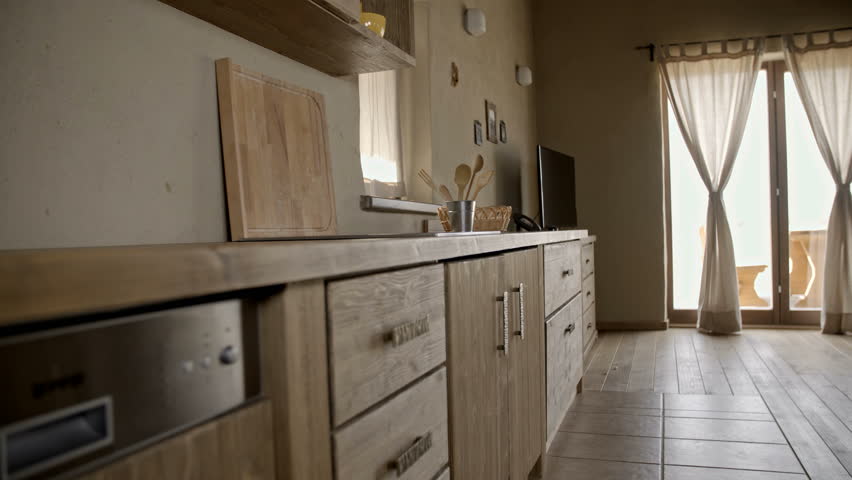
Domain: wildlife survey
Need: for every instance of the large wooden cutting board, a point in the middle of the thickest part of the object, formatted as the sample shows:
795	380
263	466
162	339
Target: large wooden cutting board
277	167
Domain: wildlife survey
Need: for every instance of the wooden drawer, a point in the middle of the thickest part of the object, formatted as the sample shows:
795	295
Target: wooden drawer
588	291
589	326
365	313
238	445
367	448
564	362
588	259
561	274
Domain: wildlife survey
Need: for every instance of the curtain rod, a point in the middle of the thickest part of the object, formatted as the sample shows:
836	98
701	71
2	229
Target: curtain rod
651	47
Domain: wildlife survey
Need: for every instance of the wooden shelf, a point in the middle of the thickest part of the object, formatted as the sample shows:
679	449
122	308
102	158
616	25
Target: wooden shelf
319	36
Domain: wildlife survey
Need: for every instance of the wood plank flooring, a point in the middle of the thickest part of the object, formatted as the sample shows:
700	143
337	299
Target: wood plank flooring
678	404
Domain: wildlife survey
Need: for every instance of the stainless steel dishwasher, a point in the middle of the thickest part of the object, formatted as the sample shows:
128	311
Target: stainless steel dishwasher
77	397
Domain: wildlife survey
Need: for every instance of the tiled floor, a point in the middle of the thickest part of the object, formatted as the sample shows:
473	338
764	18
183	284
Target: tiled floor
726	407
647	435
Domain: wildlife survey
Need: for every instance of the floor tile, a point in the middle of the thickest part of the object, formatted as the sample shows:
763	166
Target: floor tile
695	473
723	430
621	399
607	447
759	417
580	469
654	412
607	424
736	455
717	403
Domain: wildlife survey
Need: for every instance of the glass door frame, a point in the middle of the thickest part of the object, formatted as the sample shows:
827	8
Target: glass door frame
787	315
780	314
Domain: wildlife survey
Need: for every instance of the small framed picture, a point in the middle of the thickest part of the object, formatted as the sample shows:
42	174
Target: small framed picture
491	122
477	132
504	136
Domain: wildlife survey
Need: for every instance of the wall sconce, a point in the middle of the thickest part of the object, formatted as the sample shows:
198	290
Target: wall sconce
474	21
523	75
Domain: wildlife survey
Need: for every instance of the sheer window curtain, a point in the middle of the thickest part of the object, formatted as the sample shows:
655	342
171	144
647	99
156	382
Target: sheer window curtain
823	76
711	95
381	135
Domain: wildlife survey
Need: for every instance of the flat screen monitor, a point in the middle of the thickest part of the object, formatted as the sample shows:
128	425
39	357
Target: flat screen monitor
557	199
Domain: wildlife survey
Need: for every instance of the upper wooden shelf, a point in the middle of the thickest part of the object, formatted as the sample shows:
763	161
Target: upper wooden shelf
315	33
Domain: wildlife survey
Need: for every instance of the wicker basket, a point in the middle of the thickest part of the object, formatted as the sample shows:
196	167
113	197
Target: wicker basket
486	219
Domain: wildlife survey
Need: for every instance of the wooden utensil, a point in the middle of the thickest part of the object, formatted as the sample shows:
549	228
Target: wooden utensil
482	182
427	179
277	167
477	166
462	178
446	193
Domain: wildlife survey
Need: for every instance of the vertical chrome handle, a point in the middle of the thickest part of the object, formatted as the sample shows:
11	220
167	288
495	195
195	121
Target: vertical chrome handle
505	347
522	332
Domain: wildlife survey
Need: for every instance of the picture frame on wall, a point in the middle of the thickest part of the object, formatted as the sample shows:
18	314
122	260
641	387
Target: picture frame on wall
491	122
477	132
504	135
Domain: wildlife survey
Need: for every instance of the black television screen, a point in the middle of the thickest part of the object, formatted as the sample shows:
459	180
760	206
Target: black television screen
557	202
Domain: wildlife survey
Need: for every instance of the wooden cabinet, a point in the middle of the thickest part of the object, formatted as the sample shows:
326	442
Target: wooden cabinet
347	10
495	356
562	274
238	445
564	361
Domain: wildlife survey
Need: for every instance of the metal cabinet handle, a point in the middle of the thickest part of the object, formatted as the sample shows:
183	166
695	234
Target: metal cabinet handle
589	326
520	290
505	347
407	332
411	455
588	260
569	329
588	293
568	273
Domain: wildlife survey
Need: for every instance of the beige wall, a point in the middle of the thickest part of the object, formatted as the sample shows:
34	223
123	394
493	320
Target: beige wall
109	131
599	100
486	71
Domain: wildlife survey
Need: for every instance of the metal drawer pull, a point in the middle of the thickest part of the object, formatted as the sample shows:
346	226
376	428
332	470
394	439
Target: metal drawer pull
589	326
588	293
408	331
522	332
505	347
410	456
568	273
569	329
588	260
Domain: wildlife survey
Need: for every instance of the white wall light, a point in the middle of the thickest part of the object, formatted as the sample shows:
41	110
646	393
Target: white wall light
523	75
474	21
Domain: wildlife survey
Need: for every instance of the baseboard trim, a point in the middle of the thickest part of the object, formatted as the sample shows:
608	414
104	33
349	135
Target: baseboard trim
632	326
756	327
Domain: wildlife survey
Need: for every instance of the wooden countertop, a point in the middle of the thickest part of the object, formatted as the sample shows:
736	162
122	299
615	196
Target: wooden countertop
43	284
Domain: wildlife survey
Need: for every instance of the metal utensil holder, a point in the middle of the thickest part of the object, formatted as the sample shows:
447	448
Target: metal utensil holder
461	214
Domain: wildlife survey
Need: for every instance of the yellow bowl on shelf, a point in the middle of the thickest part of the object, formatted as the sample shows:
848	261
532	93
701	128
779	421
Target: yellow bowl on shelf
374	22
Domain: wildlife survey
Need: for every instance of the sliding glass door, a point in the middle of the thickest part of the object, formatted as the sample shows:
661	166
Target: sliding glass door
778	201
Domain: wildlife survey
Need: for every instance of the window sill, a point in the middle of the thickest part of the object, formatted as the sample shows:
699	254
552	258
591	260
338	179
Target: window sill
393	205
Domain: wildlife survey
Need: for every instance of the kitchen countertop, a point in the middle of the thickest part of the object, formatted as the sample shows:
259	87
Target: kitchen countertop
43	284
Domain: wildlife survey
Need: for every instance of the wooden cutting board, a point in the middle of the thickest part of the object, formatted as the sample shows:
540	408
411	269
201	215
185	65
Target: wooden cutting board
275	150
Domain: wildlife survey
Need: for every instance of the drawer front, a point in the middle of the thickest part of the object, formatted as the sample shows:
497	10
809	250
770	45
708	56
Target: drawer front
588	291
561	274
386	331
405	438
589	326
588	259
564	362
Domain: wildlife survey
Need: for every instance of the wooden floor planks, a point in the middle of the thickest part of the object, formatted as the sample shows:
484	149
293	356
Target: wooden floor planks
804	377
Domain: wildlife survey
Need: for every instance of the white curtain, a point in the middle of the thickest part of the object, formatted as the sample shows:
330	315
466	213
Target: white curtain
823	76
711	95
381	136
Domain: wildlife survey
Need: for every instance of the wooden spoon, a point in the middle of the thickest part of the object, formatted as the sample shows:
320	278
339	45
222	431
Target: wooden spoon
482	182
462	178
446	193
477	166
